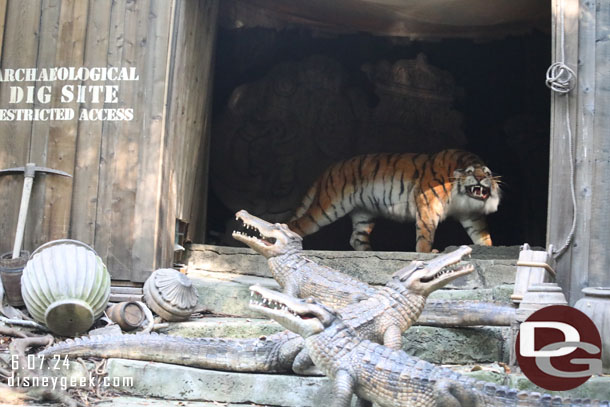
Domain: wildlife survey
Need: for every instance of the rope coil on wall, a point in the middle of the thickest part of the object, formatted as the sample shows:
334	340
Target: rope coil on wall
561	79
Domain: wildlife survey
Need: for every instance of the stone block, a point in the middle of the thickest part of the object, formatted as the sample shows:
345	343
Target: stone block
456	345
197	387
172	382
223	328
494	266
227	294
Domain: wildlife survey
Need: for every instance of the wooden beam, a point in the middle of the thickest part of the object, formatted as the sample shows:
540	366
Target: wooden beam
149	237
3	4
62	135
104	226
598	101
587	260
39	154
19	49
89	141
197	209
189	101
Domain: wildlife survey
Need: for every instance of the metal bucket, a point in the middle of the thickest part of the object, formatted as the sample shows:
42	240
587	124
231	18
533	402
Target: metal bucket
10	273
65	285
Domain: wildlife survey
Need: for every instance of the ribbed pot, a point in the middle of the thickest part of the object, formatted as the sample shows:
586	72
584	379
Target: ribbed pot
170	294
65	285
596	305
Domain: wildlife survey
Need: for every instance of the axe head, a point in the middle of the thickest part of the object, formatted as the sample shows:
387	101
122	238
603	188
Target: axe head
31	169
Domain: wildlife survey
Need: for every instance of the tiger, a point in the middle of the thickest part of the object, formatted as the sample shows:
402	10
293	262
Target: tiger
426	188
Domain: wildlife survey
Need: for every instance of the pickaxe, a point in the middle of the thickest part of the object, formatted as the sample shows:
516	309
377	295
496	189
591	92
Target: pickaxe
29	172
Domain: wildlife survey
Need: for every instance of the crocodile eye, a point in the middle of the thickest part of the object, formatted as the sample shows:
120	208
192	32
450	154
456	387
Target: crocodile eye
310	300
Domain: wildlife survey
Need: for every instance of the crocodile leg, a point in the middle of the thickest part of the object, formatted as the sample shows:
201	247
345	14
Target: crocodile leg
451	394
303	365
343	389
392	337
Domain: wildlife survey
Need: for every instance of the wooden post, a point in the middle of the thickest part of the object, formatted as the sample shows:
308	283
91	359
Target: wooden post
587	260
189	109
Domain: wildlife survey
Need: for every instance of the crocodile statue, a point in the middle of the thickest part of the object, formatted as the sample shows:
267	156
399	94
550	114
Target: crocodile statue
296	274
383	316
301	277
378	374
273	354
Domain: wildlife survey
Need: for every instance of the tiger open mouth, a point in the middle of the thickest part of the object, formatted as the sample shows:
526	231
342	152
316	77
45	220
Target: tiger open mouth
478	192
250	232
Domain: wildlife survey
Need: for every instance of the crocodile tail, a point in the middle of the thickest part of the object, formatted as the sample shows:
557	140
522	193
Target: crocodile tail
466	313
271	354
506	396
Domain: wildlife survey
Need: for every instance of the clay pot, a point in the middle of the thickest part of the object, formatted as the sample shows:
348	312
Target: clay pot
65	285
170	294
129	315
596	305
539	296
10	273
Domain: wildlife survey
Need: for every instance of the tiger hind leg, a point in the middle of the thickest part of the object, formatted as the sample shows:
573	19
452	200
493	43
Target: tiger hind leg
362	226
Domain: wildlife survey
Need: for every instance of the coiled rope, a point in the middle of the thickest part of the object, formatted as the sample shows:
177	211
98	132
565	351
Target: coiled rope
561	79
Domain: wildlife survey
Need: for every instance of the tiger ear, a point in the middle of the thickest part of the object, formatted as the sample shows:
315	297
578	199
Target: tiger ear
458	173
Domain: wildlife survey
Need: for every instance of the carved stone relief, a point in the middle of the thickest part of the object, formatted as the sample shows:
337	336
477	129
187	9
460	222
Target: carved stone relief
280	132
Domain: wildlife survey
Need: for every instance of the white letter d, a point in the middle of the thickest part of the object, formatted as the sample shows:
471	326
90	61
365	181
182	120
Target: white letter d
526	338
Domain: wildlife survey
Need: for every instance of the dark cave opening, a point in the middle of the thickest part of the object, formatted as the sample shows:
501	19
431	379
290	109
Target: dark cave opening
499	93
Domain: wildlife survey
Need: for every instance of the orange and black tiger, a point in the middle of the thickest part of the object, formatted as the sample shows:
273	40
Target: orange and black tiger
421	187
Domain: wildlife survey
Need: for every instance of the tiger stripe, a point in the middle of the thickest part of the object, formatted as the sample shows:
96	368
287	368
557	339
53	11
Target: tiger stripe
421	187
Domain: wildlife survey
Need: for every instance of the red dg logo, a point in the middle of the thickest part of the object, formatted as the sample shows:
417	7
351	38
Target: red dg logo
559	348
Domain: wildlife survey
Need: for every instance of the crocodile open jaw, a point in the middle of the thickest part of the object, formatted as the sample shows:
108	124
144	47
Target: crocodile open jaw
423	277
300	316
250	233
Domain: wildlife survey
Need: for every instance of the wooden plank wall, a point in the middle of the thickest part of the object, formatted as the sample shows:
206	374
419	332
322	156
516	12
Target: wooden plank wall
599	41
15	136
190	109
587	261
131	178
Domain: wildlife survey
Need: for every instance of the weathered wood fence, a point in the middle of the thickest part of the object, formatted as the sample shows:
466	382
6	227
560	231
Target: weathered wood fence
132	179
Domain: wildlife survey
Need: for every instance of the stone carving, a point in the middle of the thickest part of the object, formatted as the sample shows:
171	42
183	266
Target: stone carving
278	133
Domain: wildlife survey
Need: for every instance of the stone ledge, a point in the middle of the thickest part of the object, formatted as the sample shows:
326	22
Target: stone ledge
126	401
494	265
184	383
170	382
223	328
468	345
458	345
228	294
